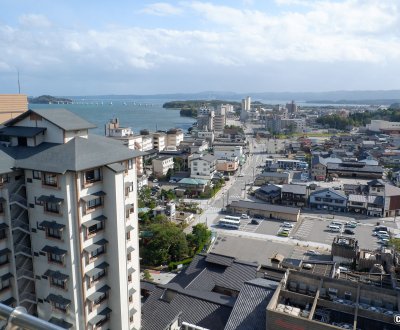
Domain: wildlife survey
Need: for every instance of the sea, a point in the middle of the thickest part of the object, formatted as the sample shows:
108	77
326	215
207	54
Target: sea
136	114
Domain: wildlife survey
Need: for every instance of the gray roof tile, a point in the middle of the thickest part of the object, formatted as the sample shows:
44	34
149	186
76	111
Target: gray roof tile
78	154
60	117
249	312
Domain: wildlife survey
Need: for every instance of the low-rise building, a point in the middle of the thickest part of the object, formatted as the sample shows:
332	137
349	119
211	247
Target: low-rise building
203	167
262	210
159	141
344	250
161	166
174	137
269	193
311	301
354	170
273	177
227	165
328	199
294	195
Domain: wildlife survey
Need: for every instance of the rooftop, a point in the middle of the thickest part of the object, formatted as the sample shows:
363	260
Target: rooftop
62	118
264	207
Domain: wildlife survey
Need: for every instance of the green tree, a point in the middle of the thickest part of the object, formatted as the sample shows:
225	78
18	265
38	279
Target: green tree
168	243
147	276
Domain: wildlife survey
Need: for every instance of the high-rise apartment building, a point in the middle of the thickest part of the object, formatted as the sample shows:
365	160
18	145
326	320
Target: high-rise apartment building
68	223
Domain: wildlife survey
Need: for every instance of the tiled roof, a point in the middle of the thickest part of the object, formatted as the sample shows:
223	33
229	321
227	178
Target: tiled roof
264	207
294	188
249	312
78	154
158	312
60	117
190	294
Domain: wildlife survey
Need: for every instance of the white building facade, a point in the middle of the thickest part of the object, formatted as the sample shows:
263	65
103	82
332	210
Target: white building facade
70	220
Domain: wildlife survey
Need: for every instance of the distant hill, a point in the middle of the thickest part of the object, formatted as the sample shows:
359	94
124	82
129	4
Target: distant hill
348	97
47	99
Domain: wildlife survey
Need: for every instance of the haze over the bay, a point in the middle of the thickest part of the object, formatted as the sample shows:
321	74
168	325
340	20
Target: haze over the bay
148	47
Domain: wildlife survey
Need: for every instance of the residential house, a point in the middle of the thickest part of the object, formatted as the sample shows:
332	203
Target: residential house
328	199
269	193
294	195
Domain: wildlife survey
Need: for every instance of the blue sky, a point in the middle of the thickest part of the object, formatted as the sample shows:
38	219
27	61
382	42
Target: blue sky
148	47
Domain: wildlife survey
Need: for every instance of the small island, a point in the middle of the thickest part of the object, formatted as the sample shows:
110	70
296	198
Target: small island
48	99
189	108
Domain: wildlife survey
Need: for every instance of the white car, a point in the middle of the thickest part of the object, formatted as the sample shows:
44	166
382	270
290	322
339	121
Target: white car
343	269
287	225
241	175
155	181
313	253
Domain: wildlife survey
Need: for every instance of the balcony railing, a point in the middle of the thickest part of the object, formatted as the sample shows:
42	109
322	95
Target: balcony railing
18	319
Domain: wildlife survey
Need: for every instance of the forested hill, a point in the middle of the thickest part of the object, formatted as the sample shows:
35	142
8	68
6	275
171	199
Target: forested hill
47	99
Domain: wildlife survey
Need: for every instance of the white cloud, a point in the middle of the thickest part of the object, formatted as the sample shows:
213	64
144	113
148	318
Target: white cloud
161	9
34	20
359	32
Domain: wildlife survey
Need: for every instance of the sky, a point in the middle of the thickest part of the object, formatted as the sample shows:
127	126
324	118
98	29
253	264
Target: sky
95	47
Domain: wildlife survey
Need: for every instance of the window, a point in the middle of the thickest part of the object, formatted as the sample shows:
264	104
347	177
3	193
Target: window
98	276
60	306
58	282
36	175
129	278
338	201
4	259
3	233
52	207
95	228
130	164
54	233
128	235
56	258
93	175
5	284
50	179
128	256
1	208
99	251
94	203
100	299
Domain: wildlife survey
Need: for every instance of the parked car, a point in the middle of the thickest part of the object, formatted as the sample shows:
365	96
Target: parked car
287	225
155	181
307	266
283	233
255	222
313	253
172	181
244	216
349	232
343	269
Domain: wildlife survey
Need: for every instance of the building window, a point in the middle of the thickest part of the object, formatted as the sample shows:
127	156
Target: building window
60	306
4	259
98	252
1	208
5	284
50	179
129	278
92	230
54	233
99	300
130	164
36	175
52	207
94	203
128	235
318	199
3	233
56	258
98	276
58	283
93	175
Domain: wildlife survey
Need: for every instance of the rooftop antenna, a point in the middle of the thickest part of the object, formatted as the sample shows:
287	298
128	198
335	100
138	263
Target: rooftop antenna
19	86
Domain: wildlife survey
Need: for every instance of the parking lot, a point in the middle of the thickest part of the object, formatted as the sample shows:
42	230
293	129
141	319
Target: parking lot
312	228
316	230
